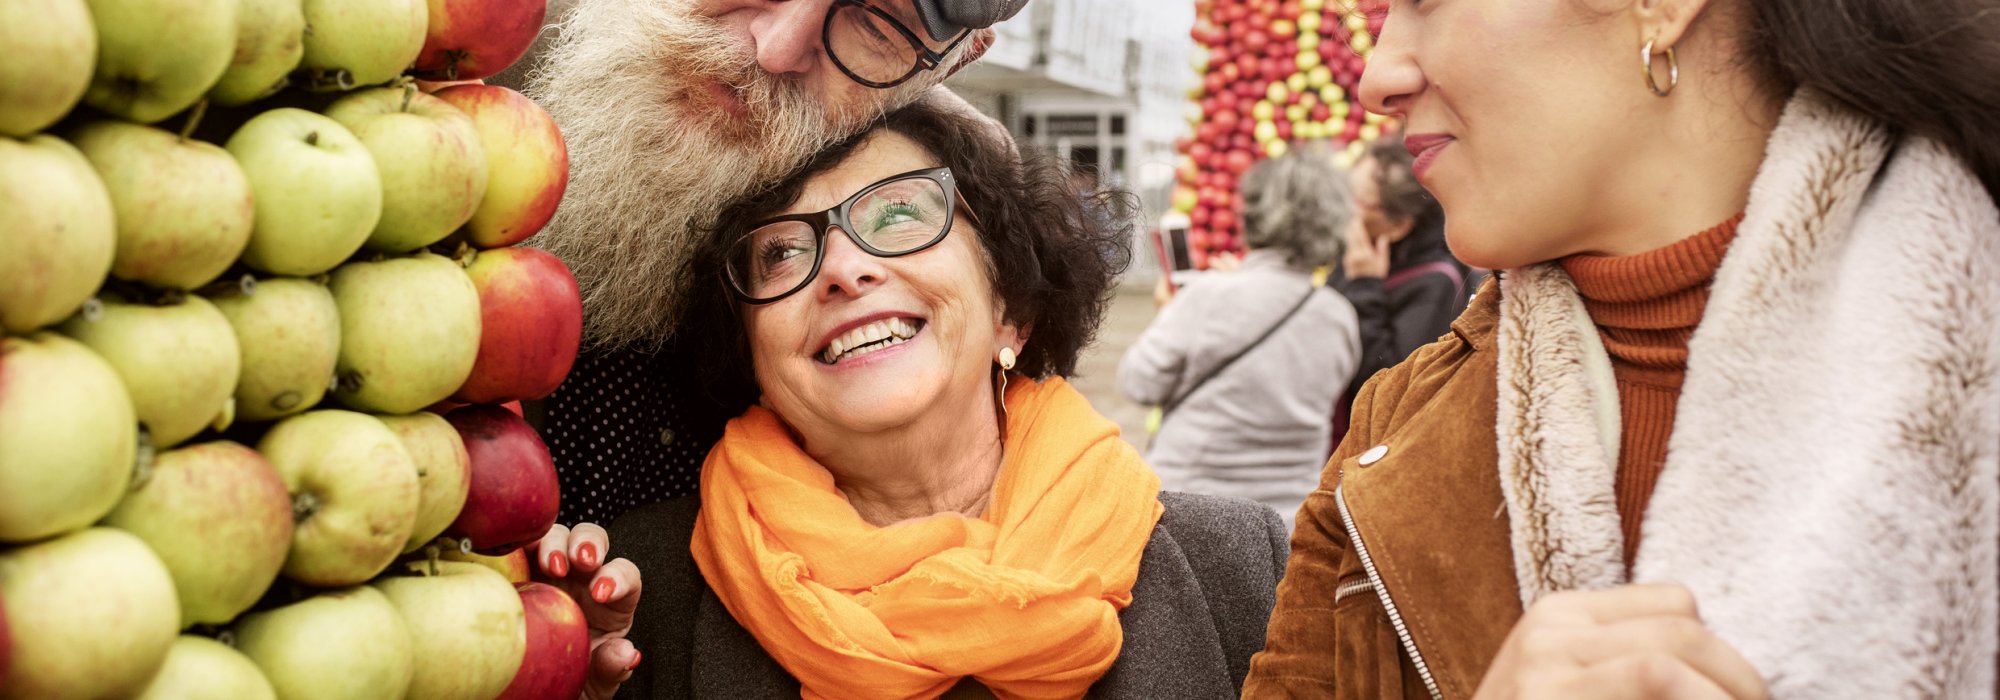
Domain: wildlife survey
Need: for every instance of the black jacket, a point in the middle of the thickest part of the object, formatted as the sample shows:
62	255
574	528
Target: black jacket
1395	322
1207	582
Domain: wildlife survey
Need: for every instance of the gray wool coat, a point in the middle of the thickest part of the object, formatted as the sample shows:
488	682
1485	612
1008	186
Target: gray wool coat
1261	428
1207	582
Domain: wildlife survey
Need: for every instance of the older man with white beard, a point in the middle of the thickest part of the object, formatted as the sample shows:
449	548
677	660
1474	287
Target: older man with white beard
672	109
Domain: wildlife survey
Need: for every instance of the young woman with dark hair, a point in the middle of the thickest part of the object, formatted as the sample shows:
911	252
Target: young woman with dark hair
1727	425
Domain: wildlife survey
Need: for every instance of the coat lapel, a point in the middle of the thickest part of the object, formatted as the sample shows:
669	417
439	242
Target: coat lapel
1558	432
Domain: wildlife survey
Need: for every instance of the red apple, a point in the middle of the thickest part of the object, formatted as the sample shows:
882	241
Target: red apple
470	39
512	565
531	319
558	654
513	496
528	164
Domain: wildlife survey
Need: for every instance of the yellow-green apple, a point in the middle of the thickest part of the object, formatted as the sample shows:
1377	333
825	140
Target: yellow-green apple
514	494
469	624
443	469
183	206
220	519
558	656
530	321
317	192
67	436
348	644
270	40
91	613
179	362
513	565
354	495
351	43
57	229
50	47
409	331
199	667
428	153
471	39
289	332
527	161
157	57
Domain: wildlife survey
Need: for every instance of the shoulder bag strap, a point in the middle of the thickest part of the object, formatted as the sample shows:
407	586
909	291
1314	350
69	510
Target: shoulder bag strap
1168	408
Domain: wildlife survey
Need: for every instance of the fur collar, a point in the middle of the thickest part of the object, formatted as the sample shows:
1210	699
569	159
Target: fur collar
1832	489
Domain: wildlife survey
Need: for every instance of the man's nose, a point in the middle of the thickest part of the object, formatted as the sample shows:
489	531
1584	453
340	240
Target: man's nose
788	35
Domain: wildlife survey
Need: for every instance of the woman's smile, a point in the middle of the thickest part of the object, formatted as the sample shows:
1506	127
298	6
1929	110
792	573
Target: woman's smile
869	339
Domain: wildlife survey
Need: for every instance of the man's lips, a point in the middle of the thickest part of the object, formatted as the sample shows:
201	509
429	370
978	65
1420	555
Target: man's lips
1426	148
728	99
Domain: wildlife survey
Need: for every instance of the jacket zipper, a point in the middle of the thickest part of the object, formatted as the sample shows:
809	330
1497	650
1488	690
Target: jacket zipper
1388	606
1360	585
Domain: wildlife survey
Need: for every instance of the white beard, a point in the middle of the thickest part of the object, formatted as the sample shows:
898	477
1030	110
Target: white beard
653	160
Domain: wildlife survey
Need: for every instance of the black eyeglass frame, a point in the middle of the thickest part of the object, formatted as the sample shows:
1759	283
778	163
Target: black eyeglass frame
926	58
826	219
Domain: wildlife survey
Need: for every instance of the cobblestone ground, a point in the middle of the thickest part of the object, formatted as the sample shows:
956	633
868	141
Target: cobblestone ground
1097	372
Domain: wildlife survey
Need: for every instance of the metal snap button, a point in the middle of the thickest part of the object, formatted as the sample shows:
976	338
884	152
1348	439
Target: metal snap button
1374	454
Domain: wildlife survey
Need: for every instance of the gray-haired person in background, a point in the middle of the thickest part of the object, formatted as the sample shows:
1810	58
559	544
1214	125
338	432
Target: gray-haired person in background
1247	364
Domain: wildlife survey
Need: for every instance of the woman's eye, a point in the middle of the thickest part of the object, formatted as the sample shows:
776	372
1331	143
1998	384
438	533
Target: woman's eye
895	213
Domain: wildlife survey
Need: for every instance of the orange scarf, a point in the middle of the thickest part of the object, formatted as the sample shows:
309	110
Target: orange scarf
1024	599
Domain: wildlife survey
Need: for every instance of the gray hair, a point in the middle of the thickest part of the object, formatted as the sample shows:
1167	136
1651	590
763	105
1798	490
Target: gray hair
1298	204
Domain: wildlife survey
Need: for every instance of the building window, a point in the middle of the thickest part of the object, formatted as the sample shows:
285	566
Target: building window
1028	125
1117	125
1073	125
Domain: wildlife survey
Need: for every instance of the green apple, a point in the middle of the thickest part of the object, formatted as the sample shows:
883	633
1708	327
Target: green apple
157	57
472	628
57	229
50	47
179	361
199	668
289	332
92	615
270	40
444	472
362	42
67	436
348	644
220	518
317	192
354	494
409	332
183	206
427	151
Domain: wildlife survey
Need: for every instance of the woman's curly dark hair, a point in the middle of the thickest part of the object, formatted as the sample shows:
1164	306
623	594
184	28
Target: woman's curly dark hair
1053	256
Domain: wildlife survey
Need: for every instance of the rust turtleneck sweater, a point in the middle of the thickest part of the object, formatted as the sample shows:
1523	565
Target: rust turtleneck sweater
1646	307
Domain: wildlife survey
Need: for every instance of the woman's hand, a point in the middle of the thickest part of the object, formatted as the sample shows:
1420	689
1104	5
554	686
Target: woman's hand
608	592
1636	642
1162	292
1367	257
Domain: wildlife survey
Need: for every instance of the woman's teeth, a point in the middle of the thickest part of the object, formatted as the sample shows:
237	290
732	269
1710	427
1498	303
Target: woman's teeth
869	338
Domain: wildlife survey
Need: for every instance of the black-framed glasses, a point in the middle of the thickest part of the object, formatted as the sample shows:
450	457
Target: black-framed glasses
875	48
896	216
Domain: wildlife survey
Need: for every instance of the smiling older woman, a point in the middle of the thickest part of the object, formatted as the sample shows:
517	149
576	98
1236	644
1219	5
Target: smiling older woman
915	503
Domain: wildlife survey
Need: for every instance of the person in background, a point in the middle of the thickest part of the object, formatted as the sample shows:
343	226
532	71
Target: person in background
671	110
913	502
1247	364
1398	273
1727	425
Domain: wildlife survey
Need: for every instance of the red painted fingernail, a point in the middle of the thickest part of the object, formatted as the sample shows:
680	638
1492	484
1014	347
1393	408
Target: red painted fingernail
635	661
586	555
602	589
558	564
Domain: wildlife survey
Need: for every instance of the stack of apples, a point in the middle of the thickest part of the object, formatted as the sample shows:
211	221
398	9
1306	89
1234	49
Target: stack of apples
1274	73
262	312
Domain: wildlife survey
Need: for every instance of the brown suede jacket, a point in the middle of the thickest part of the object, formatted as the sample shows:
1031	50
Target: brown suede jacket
1407	618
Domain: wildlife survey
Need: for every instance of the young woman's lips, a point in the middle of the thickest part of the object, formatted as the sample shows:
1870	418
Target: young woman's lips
1426	148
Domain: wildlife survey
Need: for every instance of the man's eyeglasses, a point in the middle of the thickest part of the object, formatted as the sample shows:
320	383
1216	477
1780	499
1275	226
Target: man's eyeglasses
896	216
874	47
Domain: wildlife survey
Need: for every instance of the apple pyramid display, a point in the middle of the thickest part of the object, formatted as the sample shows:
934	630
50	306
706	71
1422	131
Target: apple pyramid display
1275	74
247	267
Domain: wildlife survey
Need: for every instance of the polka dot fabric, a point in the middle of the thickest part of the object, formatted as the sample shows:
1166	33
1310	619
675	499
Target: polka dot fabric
627	430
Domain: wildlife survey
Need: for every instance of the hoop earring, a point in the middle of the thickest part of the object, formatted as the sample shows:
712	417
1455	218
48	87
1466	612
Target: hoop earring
1673	69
